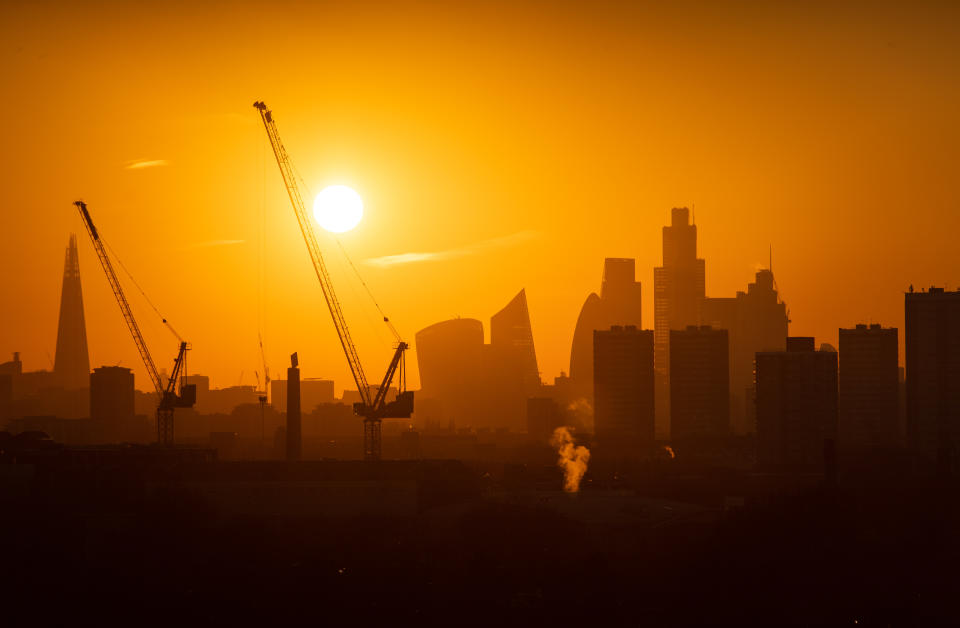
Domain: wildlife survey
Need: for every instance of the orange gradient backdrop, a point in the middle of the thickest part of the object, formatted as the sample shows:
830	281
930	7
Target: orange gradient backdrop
827	132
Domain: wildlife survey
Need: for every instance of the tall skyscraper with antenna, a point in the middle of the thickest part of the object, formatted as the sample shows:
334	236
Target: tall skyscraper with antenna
72	363
679	285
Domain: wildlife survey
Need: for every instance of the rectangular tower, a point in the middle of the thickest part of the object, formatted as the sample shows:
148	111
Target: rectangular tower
797	409
112	399
623	388
869	388
678	288
933	372
699	383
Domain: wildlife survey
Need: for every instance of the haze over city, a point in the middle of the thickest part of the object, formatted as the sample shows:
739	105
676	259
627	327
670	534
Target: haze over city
808	128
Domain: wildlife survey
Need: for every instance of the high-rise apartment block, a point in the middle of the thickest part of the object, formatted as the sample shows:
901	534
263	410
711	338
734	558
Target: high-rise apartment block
112	399
623	387
932	338
699	383
869	388
797	404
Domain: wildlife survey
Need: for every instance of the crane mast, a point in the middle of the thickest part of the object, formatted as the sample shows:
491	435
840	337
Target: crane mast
373	407
166	391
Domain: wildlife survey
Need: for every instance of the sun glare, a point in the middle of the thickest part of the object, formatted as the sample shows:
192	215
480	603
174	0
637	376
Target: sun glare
338	208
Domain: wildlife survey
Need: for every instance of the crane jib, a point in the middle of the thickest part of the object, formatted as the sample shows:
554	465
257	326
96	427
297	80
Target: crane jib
313	248
373	406
168	398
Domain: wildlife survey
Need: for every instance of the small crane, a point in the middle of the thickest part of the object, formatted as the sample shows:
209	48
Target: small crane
373	407
262	397
266	372
169	398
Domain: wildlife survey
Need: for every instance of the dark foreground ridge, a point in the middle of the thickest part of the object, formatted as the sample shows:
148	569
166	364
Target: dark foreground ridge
95	534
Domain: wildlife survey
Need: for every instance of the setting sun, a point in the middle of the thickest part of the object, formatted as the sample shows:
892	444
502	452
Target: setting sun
338	208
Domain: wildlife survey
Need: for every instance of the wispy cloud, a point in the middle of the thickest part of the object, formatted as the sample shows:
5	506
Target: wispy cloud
435	256
145	163
198	245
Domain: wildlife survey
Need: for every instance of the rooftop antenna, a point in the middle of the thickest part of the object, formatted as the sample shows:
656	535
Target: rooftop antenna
770	267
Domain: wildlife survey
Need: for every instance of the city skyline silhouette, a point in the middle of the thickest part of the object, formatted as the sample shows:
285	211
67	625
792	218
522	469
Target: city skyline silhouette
788	175
501	313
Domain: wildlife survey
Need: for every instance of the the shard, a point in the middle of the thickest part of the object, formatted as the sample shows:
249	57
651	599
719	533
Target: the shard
72	363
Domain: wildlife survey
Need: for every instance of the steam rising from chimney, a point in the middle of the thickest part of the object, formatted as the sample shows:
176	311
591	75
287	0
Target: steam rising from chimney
572	458
669	451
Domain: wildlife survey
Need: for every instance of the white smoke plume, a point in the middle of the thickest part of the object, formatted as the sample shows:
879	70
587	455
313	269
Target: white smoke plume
572	458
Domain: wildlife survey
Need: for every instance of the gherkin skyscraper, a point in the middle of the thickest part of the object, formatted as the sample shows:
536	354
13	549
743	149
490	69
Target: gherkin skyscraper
72	363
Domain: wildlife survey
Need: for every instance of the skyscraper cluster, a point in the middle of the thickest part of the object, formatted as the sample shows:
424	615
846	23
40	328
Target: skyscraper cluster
726	366
467	382
618	304
756	320
703	348
712	368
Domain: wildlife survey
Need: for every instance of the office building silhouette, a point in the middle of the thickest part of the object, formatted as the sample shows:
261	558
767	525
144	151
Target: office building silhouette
313	392
202	384
932	335
797	405
678	288
12	369
619	303
450	360
10	372
757	321
510	365
72	362
699	383
474	384
511	340
869	388
112	400
623	389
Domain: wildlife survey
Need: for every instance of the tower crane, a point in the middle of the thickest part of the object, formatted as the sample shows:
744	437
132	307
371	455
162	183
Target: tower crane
168	397
373	407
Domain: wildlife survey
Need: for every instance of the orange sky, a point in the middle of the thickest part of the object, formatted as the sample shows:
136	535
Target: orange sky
830	133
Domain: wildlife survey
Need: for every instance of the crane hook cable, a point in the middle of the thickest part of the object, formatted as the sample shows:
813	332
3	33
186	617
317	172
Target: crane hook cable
120	262
369	292
353	266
